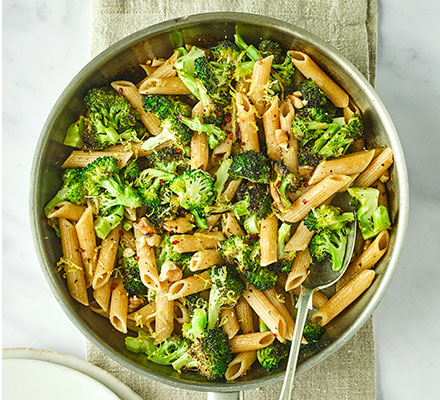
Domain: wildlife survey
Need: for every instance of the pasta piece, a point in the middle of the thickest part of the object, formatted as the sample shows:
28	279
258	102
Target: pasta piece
318	300
376	169
73	269
136	148
349	164
241	363
67	210
311	70
181	313
244	315
85	230
383	198
271	122
102	294
198	241
212	220
130	91
230	225
79	159
128	241
166	86
300	239
246	121
205	259
299	271
228	321
164	315
268	240
315	196
146	259
267	312
367	259
106	260
229	193
178	225
289	155
165	70
251	341
199	151
306	171
190	285
144	315
342	299
350	110
119	307
259	81
277	300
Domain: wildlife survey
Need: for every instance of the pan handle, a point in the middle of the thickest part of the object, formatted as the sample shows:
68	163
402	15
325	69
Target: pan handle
225	396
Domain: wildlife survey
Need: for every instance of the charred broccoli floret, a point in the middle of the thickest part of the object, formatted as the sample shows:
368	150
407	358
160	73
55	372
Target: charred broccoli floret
226	52
312	333
270	47
168	159
281	181
250	165
327	217
132	278
283	75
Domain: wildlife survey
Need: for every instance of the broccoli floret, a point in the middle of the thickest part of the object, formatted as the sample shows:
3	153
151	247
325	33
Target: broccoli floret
167	252
111	119
193	302
372	218
270	47
169	110
331	244
108	220
151	185
283	74
195	191
226	288
166	210
140	344
327	217
281	181
214	134
270	357
132	278
238	250
226	52
312	333
284	264
131	171
312	95
195	329
72	189
253	198
96	172
211	354
252	166
169	160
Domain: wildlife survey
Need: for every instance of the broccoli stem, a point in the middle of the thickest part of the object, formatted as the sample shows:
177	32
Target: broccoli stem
140	344
200	222
185	361
215	304
283	237
222	176
251	51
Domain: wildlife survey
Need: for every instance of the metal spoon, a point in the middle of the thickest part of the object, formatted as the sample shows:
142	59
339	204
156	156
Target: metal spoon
321	276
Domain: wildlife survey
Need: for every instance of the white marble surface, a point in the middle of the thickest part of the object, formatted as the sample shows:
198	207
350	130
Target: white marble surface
45	43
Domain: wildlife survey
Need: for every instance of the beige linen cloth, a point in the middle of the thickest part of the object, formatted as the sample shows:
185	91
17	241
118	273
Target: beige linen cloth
351	27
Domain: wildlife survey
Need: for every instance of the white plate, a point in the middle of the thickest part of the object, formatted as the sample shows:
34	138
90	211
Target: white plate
46	375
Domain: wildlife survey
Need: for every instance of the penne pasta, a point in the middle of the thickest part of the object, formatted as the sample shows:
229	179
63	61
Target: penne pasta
79	159
199	241
229	193
244	316
314	197
268	240
102	295
299	271
73	269
251	341
144	315
228	322
349	164
246	121
271	123
367	259
230	225
167	86
118	306
67	210
85	230
205	259
131	92
164	315
164	70
190	285
178	225
259	81
106	259
289	154
343	298
318	300
300	239
199	151
310	69
375	169
240	365
267	312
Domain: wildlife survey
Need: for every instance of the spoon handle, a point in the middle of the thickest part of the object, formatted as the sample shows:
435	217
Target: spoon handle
303	304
